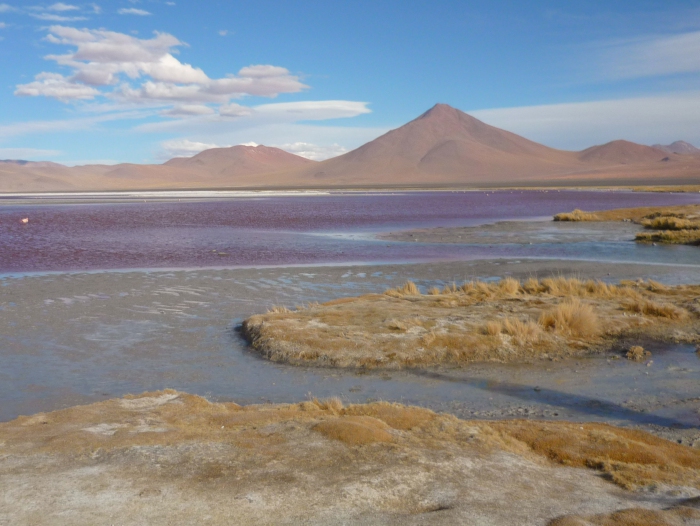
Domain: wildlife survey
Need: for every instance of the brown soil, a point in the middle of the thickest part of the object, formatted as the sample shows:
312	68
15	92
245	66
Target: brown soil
504	321
681	515
172	458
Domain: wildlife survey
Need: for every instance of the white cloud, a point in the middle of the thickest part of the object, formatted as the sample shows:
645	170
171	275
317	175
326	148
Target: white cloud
188	110
56	18
56	86
133	11
96	9
313	109
184	148
223	32
314	152
234	110
60	6
5	8
574	126
27	153
654	55
103	58
18	129
3	25
233	115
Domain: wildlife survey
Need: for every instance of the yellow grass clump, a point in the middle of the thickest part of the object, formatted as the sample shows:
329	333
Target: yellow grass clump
576	215
670	224
637	353
572	317
477	321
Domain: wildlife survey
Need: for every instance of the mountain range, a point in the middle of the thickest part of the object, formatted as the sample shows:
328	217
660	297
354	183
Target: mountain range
442	147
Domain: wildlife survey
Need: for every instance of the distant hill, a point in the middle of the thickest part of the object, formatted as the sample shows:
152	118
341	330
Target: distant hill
240	159
623	152
678	147
442	147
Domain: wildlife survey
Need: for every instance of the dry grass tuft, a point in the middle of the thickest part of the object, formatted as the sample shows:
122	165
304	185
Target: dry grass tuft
477	321
493	328
572	318
637	353
407	289
630	458
523	332
651	308
277	309
576	215
671	224
671	237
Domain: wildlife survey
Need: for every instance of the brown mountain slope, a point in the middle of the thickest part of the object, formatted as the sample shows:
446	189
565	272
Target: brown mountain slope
240	160
444	145
623	152
219	167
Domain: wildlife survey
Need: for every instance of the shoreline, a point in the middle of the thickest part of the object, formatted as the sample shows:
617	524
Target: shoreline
228	193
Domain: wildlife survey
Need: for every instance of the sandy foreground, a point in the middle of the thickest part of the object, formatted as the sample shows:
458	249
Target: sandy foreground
164	458
172	458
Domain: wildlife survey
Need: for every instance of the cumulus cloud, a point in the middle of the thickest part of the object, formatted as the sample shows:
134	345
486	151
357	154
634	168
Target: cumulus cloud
133	11
56	86
102	58
187	110
574	126
654	55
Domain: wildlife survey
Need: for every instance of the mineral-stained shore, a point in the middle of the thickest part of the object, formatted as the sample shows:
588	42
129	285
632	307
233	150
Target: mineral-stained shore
172	458
505	321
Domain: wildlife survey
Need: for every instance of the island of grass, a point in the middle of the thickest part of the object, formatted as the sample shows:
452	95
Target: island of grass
172	458
503	321
667	224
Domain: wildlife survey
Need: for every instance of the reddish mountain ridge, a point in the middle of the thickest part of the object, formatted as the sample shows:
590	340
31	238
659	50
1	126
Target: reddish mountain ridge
679	147
442	147
623	152
240	160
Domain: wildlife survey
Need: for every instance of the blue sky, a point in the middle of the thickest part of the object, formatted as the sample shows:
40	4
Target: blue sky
145	80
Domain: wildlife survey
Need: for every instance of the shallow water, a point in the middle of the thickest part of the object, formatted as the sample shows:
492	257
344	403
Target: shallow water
69	336
72	338
252	231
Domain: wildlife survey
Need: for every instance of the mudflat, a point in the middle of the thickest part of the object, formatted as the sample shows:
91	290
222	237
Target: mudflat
172	458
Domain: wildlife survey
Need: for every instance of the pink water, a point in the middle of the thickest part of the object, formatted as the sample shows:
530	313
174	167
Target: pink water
295	230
